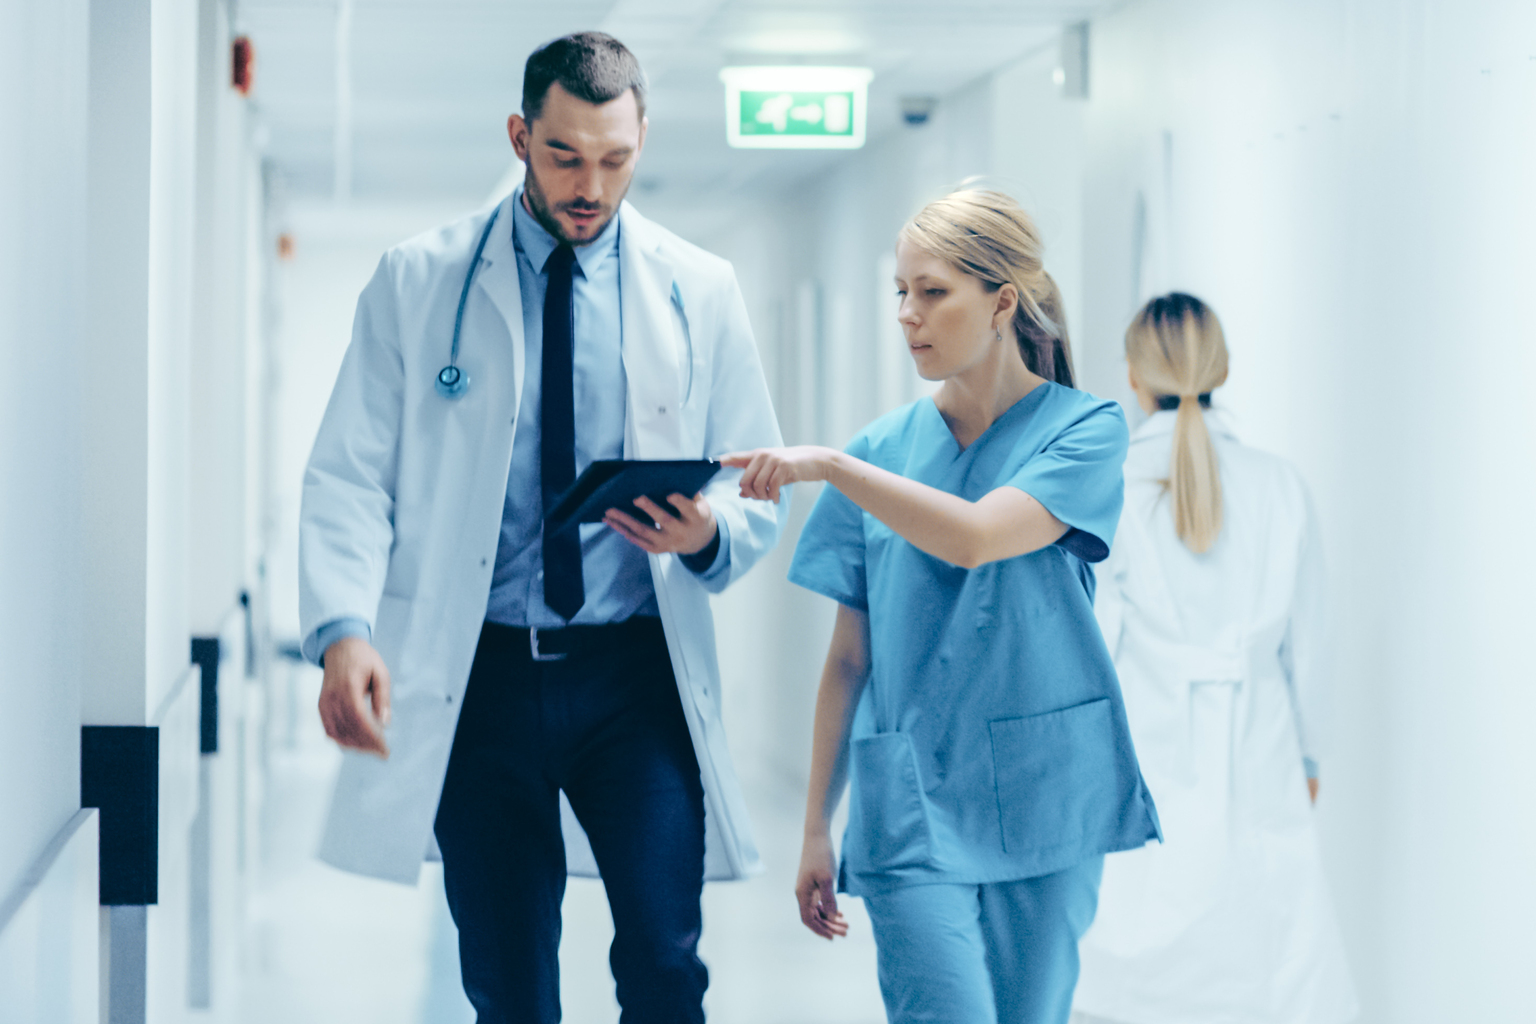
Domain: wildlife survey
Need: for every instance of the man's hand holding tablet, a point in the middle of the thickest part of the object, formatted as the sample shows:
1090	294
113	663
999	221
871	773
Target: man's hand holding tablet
685	529
627	496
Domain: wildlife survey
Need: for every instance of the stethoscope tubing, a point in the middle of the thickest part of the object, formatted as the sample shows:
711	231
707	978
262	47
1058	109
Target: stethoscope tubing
451	381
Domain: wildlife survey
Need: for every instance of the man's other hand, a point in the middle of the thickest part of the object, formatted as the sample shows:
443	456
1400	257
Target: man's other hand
354	699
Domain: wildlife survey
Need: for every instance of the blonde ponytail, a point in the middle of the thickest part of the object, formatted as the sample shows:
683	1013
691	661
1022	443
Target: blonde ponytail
1047	352
1176	349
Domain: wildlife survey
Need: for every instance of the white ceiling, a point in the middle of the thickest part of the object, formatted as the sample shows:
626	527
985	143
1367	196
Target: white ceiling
432	81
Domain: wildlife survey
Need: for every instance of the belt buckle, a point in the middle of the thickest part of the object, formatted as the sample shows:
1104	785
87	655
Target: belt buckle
533	647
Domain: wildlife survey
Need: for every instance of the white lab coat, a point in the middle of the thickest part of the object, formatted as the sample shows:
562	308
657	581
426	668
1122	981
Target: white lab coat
403	499
1223	664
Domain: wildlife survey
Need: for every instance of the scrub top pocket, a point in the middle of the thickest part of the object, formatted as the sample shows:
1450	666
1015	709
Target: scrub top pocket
1057	780
887	821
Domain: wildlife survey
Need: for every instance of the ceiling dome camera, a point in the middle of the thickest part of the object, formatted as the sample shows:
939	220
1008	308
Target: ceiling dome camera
915	110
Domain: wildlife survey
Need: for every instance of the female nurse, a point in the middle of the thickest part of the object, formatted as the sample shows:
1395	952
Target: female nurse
968	702
1213	606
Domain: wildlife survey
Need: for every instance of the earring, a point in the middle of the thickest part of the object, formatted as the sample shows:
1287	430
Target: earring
999	337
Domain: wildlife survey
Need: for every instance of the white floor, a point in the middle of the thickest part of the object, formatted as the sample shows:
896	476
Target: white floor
328	947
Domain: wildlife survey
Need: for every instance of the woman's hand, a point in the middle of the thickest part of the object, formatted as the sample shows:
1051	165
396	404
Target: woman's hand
816	888
765	470
686	528
1312	789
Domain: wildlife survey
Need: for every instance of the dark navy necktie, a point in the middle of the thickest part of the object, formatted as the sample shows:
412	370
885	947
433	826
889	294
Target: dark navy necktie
563	589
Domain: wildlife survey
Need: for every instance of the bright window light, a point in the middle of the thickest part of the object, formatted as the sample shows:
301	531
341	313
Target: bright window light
795	107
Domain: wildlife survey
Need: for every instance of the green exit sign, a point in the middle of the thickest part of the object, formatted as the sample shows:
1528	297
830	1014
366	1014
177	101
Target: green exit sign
767	112
795	107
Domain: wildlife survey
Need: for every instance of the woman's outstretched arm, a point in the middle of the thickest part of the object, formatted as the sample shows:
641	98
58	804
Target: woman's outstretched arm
1004	523
842	681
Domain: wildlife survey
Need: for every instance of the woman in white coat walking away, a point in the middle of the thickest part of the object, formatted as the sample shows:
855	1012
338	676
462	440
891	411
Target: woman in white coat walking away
1212	603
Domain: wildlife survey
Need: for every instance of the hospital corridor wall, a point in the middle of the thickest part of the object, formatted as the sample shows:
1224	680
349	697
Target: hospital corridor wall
1349	185
48	908
131	208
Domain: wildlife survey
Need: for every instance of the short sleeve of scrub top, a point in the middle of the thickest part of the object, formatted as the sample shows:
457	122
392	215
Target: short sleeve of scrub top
1077	478
830	556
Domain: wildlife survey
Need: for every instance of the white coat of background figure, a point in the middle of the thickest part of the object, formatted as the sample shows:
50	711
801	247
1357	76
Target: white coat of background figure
1214	607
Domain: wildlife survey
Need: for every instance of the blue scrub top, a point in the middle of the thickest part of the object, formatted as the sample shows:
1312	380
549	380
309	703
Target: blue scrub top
990	744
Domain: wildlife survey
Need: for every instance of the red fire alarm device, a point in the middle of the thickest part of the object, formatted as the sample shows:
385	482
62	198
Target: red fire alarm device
242	65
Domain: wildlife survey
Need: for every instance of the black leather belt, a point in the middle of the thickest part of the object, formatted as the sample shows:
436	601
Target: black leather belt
575	641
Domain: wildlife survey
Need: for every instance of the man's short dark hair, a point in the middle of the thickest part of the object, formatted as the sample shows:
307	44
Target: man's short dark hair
592	66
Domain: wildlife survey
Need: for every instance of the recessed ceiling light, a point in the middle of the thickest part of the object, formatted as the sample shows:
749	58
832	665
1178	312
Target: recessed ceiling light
790	42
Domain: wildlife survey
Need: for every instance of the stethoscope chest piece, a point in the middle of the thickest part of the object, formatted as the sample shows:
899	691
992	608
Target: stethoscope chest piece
451	381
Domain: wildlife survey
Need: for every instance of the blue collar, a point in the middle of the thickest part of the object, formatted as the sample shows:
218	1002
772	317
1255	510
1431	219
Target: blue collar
534	242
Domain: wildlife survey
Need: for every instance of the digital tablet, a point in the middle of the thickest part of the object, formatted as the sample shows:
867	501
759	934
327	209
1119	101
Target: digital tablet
616	483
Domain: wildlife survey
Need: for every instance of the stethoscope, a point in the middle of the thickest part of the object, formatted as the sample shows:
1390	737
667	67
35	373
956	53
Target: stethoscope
451	381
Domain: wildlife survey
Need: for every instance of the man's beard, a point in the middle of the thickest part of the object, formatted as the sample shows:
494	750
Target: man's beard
538	204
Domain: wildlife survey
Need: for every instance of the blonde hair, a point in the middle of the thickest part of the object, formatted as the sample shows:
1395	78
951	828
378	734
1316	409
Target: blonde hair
987	235
1176	349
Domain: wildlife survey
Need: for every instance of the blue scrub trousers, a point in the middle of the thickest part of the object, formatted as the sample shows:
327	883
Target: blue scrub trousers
1004	953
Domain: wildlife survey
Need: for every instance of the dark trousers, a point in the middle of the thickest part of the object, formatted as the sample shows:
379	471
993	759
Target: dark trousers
605	725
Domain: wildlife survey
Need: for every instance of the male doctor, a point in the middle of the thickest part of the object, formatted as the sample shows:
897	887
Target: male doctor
490	668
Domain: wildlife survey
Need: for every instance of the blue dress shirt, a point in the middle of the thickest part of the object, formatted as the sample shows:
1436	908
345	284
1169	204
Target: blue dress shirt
617	574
